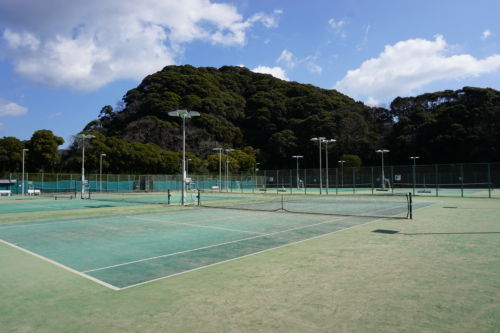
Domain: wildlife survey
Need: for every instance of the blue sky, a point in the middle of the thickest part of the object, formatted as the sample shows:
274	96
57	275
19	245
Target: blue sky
62	61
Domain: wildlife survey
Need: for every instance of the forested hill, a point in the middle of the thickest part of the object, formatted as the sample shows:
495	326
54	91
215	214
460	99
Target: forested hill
267	121
240	108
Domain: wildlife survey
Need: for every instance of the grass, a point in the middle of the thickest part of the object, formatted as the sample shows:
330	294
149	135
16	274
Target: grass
438	273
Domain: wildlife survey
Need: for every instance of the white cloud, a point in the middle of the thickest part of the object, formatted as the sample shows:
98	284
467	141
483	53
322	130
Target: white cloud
372	102
54	115
287	58
85	45
277	72
11	109
313	68
336	25
486	33
409	65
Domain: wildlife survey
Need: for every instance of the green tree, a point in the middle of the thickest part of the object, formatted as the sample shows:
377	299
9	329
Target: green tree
43	151
11	154
351	161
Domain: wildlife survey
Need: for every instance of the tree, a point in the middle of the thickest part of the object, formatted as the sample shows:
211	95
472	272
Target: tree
43	151
11	154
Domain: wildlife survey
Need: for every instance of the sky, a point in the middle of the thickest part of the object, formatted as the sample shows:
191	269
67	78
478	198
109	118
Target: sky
62	61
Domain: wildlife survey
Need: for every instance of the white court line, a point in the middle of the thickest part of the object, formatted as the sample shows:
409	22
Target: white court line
201	226
117	289
62	266
209	246
13	225
251	254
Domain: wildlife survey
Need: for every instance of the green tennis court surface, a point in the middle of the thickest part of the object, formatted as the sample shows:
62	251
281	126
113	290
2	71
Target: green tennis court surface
127	250
26	204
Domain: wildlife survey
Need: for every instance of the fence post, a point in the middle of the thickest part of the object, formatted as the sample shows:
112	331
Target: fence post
337	181
437	181
373	186
305	182
353	181
462	179
489	181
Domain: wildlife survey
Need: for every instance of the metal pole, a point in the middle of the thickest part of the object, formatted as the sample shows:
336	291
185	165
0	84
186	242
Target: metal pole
183	199
22	182
326	148
100	173
298	177
320	173
220	170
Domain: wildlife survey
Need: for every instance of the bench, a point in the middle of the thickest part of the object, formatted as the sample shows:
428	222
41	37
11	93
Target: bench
2	192
33	192
263	189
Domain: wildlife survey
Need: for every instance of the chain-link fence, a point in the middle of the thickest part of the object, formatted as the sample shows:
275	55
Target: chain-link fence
467	180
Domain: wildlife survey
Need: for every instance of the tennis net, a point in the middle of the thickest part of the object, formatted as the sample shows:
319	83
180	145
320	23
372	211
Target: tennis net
399	206
144	197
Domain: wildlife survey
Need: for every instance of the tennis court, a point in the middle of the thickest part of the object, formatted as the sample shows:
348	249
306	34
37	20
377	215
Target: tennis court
30	204
121	251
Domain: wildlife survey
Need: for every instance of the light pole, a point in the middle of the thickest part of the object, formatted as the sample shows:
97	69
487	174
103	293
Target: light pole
382	151
187	167
254	170
342	171
83	137
326	149
100	172
22	182
183	114
320	173
220	167
227	168
298	178
414	158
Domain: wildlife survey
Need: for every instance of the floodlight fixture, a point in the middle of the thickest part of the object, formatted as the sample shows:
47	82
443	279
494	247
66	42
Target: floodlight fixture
183	114
319	139
326	149
83	137
382	151
227	167
298	178
220	167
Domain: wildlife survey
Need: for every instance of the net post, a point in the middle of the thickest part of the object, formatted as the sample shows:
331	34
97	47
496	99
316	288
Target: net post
168	197
282	207
198	197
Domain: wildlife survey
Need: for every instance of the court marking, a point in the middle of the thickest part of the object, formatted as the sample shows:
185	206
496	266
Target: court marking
224	261
215	245
200	226
62	266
